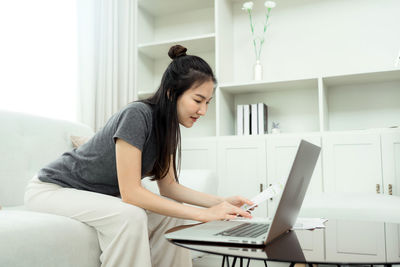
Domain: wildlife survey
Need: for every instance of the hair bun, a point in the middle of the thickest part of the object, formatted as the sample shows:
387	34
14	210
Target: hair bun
177	51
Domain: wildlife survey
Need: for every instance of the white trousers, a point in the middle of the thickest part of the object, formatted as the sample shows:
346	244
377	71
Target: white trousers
128	235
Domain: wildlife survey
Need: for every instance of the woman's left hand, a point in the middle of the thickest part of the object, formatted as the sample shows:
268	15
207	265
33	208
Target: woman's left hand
238	201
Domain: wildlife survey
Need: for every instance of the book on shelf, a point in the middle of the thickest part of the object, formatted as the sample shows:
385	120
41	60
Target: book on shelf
246	119
254	120
239	120
262	118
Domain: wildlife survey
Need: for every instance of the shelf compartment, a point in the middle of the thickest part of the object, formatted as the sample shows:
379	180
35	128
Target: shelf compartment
362	101
159	22
294	104
162	7
195	45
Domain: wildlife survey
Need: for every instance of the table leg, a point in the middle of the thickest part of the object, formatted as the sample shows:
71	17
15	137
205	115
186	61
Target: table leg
265	263
223	261
234	262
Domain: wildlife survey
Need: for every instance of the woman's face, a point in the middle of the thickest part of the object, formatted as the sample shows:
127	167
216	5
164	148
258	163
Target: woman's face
193	103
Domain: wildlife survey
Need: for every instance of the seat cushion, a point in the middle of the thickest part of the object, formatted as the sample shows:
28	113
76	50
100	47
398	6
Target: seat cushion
39	239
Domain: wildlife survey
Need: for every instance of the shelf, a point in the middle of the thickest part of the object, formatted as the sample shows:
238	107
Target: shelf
195	45
162	7
259	87
189	19
363	78
362	101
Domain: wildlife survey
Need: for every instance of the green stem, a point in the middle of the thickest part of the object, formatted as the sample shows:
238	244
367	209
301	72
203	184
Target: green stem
252	32
265	29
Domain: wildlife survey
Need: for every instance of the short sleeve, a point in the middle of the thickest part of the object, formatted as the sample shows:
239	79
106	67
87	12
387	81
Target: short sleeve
134	125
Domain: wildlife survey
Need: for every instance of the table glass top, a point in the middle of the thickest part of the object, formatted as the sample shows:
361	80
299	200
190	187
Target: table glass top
381	242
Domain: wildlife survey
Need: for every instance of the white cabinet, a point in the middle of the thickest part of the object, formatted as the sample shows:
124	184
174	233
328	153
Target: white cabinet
392	242
199	153
281	150
312	243
391	163
391	181
340	246
352	162
242	168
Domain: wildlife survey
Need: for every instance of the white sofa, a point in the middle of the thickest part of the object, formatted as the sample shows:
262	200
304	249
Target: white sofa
37	239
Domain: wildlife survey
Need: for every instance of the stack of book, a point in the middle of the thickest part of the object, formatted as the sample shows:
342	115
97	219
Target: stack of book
252	119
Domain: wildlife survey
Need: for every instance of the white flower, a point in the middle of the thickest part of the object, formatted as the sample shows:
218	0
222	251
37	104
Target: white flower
269	4
248	6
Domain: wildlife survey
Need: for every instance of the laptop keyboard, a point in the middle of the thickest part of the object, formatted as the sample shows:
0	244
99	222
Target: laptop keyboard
246	230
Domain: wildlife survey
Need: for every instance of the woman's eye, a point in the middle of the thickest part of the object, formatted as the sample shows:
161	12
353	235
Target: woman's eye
197	101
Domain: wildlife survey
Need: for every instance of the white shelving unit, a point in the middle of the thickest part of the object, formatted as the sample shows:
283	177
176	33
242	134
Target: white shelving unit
162	24
332	99
328	78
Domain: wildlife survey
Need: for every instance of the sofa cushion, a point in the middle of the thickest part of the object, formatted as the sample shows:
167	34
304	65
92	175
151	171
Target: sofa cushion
40	239
28	143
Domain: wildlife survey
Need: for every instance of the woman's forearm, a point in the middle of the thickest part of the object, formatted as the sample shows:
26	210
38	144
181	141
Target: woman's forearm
145	199
184	194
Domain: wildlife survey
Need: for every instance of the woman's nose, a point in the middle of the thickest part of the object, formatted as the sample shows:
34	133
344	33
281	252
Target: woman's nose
203	110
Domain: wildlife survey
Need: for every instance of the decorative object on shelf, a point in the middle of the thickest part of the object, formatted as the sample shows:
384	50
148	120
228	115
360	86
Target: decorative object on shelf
258	40
275	128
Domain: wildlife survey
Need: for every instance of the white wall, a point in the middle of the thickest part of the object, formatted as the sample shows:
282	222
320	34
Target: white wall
308	38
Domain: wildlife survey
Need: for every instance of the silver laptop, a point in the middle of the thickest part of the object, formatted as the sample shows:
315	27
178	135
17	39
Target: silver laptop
259	233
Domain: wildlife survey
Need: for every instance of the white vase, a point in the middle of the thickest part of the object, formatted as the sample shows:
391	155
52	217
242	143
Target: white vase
275	130
258	71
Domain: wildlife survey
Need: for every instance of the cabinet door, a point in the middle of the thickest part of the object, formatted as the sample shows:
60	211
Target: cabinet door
393	242
242	168
312	243
281	150
391	163
352	162
391	179
355	241
199	153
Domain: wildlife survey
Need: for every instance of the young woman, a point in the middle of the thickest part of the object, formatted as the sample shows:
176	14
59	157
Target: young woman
99	183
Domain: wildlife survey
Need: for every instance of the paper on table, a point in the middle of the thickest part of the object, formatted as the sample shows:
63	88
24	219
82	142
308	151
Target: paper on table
269	192
309	223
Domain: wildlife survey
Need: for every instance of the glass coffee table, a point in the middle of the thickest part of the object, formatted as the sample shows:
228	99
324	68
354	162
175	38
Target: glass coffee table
292	249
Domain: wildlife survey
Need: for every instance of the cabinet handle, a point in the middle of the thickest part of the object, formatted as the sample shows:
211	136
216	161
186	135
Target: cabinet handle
378	188
271	197
390	189
261	187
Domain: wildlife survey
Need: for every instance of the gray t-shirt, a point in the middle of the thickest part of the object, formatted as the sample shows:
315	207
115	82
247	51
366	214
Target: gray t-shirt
92	166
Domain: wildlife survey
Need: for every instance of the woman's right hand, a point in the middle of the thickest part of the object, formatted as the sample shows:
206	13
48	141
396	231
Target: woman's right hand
222	211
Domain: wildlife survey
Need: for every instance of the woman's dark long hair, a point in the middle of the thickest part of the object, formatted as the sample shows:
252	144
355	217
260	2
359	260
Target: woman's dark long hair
181	74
